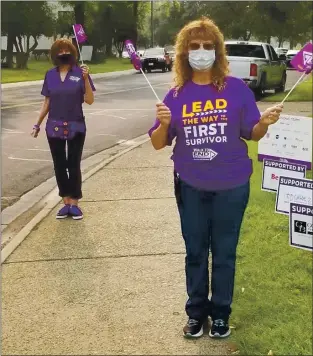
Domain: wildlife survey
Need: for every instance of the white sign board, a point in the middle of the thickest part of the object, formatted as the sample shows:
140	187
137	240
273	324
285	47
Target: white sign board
86	53
290	140
301	226
293	190
272	170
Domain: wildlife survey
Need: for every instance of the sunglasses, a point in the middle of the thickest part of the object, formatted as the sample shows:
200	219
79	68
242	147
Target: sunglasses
207	46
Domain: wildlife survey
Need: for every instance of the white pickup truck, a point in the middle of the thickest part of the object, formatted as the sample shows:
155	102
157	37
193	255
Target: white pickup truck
257	64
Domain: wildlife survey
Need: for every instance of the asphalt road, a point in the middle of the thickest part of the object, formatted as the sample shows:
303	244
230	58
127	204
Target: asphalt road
123	109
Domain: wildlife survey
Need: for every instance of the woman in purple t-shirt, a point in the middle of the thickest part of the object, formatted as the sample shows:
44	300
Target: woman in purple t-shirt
209	113
66	87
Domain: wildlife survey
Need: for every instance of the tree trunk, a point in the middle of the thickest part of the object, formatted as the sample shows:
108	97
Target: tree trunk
291	43
22	57
135	13
27	43
17	48
247	36
20	43
9	55
79	11
21	60
94	54
119	47
108	31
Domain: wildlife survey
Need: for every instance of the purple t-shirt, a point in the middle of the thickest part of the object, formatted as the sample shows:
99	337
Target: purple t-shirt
208	125
66	98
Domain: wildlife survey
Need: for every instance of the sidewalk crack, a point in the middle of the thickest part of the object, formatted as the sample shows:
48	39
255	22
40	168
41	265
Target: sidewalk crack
161	254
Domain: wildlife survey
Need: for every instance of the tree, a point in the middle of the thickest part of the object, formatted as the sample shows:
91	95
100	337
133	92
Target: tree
25	20
242	20
124	24
110	23
286	20
99	26
171	17
64	24
79	10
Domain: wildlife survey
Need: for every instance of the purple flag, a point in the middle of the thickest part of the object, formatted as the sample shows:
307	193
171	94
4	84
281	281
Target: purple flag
79	33
302	61
133	55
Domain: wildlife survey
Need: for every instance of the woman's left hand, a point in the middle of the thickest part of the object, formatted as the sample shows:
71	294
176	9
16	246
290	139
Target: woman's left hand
85	70
271	115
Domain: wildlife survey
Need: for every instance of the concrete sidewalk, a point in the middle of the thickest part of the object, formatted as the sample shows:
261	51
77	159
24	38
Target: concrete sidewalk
111	284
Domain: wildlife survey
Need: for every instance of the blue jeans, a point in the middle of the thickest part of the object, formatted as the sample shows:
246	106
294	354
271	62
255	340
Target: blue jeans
210	221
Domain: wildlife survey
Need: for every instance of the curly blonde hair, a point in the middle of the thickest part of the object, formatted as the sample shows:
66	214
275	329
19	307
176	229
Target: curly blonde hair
203	29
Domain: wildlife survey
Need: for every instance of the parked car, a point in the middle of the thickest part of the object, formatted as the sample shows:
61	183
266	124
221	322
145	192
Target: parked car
140	52
172	55
257	64
281	51
290	54
156	59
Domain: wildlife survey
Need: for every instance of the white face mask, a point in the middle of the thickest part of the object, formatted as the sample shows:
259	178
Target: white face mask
201	59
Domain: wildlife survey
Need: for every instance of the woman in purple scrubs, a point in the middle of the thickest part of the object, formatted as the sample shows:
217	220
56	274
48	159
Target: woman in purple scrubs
66	87
209	113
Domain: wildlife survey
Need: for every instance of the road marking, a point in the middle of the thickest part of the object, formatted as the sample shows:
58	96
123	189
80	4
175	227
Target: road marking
20	105
38	149
104	110
118	117
106	135
29	159
97	94
9	131
125	142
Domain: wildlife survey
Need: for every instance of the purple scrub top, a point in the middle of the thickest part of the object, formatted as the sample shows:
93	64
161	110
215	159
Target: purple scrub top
66	98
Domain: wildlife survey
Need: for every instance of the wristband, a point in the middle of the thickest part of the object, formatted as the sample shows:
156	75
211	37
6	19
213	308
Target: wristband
36	127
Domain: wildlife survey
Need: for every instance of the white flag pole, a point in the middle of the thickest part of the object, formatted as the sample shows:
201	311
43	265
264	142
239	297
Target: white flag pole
80	55
150	85
298	81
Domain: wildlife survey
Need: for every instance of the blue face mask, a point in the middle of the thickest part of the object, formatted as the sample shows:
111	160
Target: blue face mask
201	59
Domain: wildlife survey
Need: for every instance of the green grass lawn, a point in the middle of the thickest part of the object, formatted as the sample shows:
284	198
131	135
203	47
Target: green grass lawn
302	92
274	310
37	69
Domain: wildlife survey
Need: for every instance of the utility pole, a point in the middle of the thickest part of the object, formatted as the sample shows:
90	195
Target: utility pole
152	29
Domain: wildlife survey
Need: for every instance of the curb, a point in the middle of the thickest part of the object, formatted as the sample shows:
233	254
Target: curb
53	199
93	76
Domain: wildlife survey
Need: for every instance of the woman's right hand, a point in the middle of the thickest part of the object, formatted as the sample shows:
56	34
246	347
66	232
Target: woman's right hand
164	114
35	132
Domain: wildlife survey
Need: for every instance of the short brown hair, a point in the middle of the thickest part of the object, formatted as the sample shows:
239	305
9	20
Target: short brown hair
62	44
